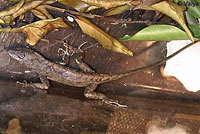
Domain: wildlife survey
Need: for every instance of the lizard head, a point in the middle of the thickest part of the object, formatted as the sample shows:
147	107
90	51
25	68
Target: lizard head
21	55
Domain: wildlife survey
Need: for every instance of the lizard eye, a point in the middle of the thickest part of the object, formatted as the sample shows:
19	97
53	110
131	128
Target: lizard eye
21	56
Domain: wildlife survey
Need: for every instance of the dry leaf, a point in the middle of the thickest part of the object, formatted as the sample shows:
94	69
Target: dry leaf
76	4
28	6
39	14
11	13
101	36
111	3
175	11
147	3
5	14
44	11
14	127
13	1
6	29
90	8
117	10
35	31
12	9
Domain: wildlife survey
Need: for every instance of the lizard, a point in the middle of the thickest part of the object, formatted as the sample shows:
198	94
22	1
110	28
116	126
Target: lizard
87	78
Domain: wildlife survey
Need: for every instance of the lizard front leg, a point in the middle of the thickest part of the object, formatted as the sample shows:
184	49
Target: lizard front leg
89	93
44	85
68	52
78	54
83	66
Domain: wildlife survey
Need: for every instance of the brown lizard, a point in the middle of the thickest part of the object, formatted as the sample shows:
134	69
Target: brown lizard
69	76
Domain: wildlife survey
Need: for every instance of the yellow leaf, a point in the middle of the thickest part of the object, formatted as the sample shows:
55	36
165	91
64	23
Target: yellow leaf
176	12
111	3
76	4
101	36
35	31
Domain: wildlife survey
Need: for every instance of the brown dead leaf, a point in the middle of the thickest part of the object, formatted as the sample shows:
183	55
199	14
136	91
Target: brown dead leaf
107	41
111	3
35	31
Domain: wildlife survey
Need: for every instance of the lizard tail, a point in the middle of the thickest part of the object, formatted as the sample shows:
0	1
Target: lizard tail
133	71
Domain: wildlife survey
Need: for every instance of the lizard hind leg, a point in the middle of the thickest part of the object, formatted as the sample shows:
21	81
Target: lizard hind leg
89	93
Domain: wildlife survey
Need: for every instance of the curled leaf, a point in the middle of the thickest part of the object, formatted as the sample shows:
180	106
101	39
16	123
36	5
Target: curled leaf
176	12
101	36
44	11
20	9
158	33
35	31
39	14
12	9
6	15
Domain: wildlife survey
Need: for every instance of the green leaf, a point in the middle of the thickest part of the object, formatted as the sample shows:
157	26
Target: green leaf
158	33
191	19
188	3
193	24
174	11
195	11
195	30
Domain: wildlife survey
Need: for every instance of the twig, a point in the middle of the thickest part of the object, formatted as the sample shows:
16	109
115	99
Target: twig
116	21
72	12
